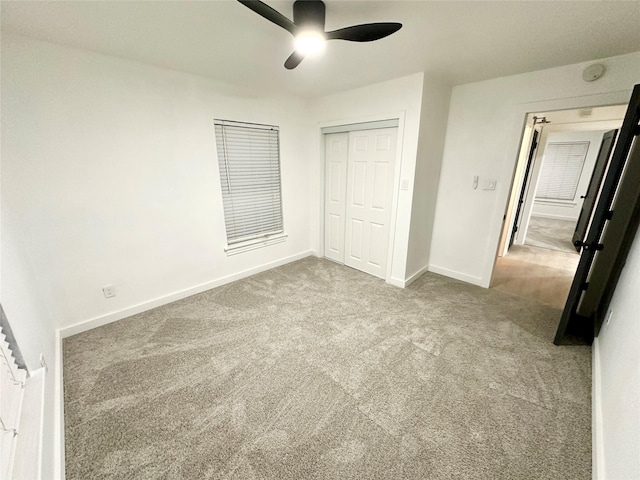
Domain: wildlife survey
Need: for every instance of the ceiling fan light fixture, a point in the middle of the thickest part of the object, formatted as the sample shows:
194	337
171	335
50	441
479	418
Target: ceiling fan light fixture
308	28
310	42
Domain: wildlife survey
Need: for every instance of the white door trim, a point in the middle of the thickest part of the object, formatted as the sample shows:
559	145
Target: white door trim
400	116
518	117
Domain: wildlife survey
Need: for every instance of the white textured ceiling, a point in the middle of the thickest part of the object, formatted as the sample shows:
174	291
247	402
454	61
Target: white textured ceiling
458	42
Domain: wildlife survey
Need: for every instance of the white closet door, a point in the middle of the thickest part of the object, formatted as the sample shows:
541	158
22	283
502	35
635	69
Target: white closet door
336	154
370	177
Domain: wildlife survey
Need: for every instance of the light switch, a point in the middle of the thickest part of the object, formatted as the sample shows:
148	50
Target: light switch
404	184
489	184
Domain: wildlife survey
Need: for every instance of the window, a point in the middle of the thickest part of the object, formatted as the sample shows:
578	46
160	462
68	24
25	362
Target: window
249	162
561	170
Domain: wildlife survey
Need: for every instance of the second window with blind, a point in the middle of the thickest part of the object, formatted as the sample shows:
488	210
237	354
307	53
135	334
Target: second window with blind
561	170
249	163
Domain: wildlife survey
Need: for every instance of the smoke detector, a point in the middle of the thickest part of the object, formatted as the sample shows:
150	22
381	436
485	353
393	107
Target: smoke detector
593	72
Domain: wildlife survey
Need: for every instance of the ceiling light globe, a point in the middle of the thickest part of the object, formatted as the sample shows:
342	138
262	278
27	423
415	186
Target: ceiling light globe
310	42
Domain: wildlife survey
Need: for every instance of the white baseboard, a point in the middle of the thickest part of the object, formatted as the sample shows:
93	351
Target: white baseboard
457	275
396	282
158	302
416	275
58	448
597	447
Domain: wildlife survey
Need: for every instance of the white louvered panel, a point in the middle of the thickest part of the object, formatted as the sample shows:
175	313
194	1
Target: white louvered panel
561	170
11	393
249	163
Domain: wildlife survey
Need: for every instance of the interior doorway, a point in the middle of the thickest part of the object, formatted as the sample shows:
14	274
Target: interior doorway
559	151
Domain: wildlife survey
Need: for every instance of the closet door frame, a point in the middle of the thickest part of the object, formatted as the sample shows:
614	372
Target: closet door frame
368	123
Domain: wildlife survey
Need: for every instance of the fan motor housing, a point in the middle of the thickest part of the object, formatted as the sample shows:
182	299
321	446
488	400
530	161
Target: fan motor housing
309	13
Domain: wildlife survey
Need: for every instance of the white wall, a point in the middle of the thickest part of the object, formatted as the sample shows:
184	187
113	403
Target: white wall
110	171
433	124
570	209
33	330
109	176
485	125
379	101
617	379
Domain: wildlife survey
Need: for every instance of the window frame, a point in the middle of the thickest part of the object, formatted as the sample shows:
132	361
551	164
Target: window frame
243	163
553	154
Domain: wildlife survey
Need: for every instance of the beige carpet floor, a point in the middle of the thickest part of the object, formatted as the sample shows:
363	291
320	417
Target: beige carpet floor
537	273
551	233
317	371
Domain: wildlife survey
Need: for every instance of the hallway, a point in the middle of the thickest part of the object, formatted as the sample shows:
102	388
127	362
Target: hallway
537	273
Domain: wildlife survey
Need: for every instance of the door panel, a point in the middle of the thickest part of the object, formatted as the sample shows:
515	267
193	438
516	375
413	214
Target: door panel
377	245
525	184
380	176
606	147
334	227
336	152
336	194
355	236
613	235
358	176
369	197
606	269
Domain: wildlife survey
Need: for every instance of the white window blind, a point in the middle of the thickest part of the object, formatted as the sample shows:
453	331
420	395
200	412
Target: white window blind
561	170
249	162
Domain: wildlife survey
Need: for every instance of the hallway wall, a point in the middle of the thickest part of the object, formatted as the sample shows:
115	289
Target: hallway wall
485	125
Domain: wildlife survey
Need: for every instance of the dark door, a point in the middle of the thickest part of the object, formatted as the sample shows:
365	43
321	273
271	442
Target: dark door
608	270
523	190
623	223
606	147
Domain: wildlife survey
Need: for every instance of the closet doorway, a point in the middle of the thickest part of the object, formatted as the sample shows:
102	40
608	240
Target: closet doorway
359	186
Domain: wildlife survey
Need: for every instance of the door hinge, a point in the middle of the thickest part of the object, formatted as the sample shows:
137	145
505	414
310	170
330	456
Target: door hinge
584	286
609	215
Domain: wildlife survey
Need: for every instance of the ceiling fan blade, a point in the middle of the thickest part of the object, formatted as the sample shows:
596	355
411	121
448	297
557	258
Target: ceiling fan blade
367	32
270	14
293	61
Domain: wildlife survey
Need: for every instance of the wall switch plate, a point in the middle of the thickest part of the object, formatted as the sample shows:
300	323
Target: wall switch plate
489	184
404	184
109	291
43	363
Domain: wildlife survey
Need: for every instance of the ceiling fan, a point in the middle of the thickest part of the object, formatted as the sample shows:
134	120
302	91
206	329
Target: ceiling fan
308	27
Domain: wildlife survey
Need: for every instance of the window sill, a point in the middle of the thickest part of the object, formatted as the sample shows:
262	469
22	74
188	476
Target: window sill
556	203
253	244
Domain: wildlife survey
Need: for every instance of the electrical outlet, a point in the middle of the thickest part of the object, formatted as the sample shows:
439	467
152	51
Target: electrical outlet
109	291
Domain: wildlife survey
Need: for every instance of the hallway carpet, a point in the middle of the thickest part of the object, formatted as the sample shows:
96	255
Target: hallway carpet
541	274
317	371
551	233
